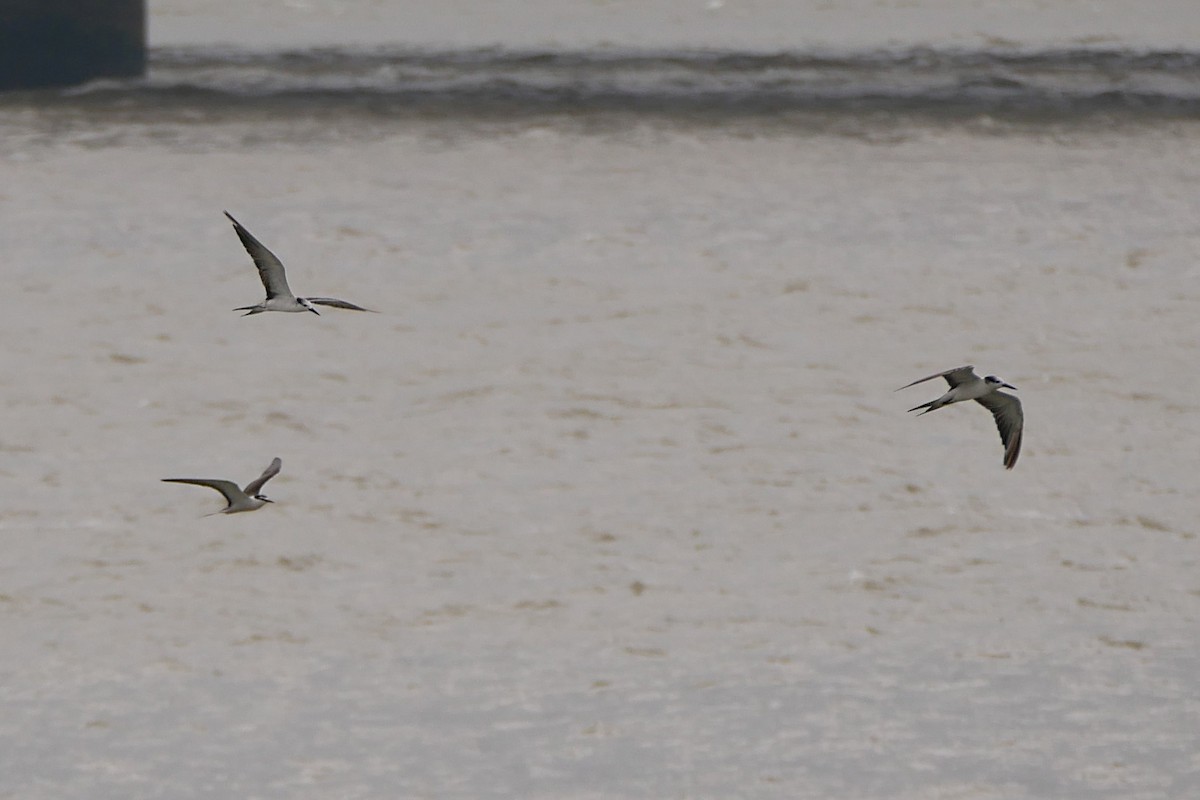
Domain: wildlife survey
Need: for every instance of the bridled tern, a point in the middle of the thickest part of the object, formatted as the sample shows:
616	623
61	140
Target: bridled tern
270	270
247	499
1005	408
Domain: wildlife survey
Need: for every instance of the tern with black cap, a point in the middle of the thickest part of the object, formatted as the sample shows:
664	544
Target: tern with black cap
1005	408
249	499
270	271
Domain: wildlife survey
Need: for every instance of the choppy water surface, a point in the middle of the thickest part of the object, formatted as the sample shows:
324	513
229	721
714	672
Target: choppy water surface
1054	84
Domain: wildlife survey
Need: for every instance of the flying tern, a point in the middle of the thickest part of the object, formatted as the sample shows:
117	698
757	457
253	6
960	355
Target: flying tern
247	499
270	270
1005	408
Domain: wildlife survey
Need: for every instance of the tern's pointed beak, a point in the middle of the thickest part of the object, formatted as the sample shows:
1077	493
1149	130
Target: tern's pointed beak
1010	386
318	313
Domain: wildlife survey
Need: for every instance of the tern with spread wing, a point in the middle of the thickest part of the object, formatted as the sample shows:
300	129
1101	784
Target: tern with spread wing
247	499
1005	408
270	270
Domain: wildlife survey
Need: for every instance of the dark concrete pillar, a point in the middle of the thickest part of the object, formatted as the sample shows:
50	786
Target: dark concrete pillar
63	42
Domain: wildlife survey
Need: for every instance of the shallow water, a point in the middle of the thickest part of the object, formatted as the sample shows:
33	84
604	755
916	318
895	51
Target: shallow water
615	498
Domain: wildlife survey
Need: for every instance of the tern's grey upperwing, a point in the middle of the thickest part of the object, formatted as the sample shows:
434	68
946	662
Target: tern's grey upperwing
1010	421
335	303
228	489
954	377
255	486
270	268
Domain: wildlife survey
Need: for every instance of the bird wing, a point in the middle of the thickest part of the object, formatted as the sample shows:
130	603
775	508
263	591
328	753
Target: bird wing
953	376
255	486
270	268
1010	420
333	301
227	488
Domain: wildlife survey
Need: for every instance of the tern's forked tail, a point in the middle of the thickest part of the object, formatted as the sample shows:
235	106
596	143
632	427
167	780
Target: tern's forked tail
932	405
